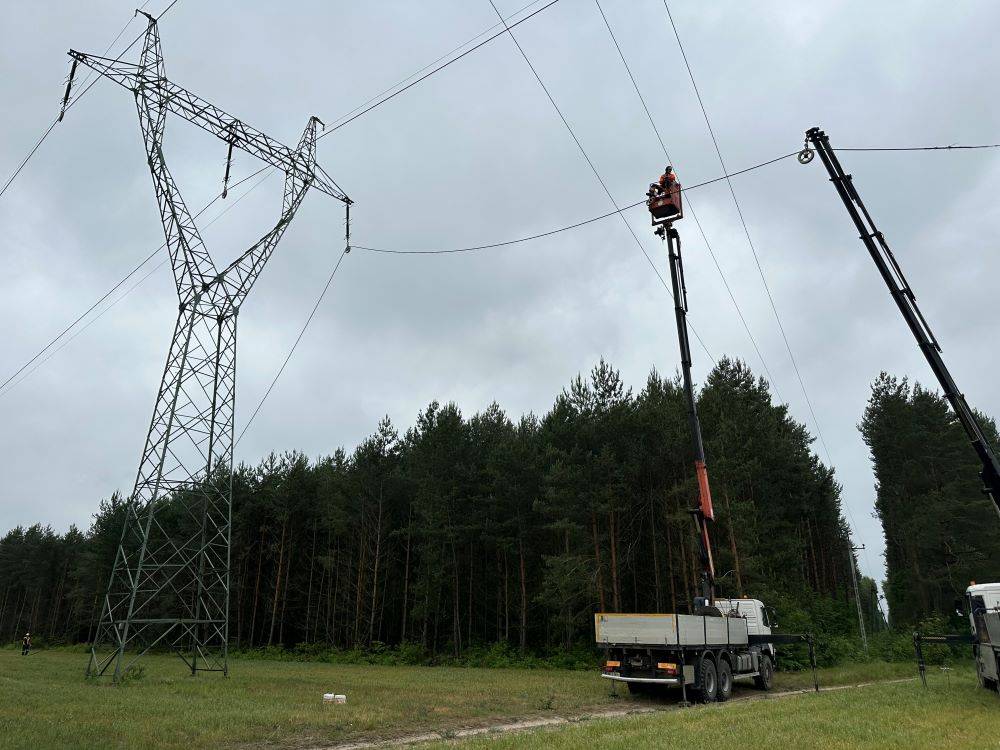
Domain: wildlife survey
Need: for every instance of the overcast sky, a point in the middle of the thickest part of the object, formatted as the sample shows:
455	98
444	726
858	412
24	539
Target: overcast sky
476	154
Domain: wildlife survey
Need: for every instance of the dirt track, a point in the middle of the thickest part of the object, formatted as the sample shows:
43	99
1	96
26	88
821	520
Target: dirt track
519	725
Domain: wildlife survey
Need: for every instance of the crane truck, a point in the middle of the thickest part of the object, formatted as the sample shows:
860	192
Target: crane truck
722	640
982	600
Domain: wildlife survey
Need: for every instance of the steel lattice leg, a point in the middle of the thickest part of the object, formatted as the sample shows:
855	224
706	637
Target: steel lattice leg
170	584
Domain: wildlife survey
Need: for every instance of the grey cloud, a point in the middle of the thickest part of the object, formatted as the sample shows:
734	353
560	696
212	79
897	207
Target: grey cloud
475	154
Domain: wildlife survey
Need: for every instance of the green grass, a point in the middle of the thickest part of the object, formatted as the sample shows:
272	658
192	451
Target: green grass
46	703
847	674
949	714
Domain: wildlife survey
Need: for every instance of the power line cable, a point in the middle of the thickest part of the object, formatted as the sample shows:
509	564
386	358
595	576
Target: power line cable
92	73
469	51
27	158
593	168
550	232
690	205
368	109
239	182
83	328
172	4
121	282
953	147
430	64
137	284
760	269
295	345
52	126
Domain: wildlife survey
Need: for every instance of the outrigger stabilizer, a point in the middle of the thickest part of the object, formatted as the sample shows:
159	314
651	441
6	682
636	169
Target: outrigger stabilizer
665	207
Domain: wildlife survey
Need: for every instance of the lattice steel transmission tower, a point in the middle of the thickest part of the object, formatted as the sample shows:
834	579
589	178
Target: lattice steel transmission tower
169	587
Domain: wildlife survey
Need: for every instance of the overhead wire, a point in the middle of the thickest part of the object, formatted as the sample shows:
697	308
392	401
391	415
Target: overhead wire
295	345
139	283
690	205
558	230
746	230
87	88
430	64
760	269
269	171
27	158
377	101
92	73
410	85
597	174
135	270
120	283
954	147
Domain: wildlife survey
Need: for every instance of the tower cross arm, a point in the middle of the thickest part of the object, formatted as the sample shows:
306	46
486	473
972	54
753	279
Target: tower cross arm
122	73
219	123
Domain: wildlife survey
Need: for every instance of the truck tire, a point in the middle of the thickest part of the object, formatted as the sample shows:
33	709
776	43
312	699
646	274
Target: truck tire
765	679
708	680
725	681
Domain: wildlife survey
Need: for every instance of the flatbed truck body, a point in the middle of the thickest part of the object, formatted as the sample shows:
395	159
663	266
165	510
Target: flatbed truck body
704	652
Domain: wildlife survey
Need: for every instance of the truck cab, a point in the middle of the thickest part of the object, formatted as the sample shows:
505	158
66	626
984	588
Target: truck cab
759	619
983	600
752	610
982	596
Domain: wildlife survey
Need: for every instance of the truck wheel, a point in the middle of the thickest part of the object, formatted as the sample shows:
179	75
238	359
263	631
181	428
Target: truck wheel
765	679
725	681
708	680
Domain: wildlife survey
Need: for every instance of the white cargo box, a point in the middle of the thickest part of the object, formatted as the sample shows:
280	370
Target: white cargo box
670	630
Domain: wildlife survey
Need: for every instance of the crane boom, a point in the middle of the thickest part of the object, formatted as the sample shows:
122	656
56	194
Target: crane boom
666	207
906	301
703	511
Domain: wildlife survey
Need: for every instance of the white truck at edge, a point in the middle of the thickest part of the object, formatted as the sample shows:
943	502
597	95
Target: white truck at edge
704	652
983	601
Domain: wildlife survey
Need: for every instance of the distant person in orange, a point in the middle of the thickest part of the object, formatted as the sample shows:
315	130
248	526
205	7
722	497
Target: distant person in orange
667	178
663	184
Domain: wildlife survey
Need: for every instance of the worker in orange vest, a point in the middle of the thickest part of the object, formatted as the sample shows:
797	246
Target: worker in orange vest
663	185
667	178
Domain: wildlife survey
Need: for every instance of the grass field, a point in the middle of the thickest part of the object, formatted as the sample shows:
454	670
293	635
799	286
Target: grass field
949	714
46	703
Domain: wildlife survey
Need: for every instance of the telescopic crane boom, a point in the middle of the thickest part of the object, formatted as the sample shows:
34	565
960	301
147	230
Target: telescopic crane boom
906	301
665	207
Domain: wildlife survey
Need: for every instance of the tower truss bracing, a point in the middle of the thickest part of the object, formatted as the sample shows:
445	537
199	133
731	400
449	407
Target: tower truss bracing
169	587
